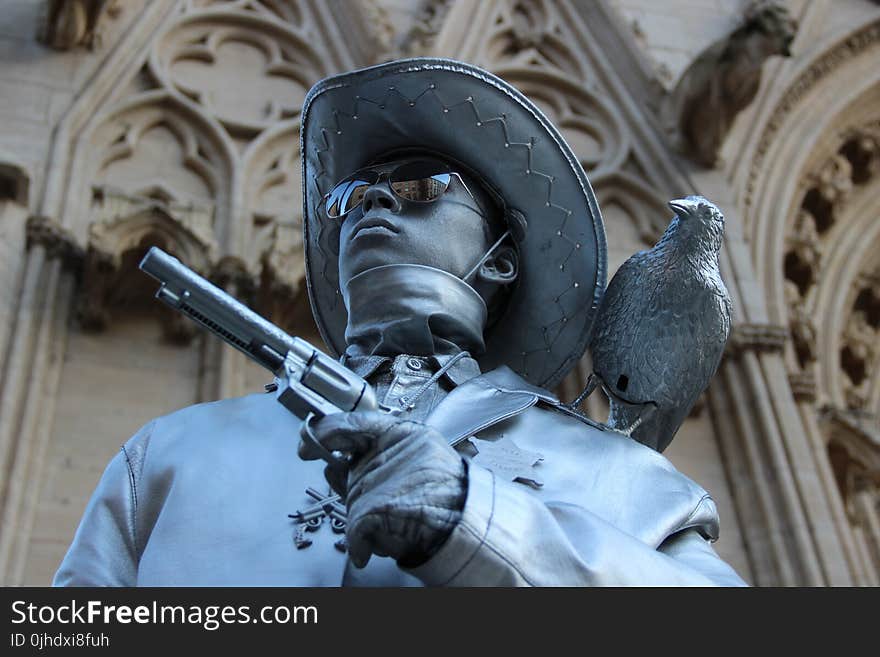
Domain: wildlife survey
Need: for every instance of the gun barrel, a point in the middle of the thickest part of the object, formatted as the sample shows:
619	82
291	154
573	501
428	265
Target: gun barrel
207	304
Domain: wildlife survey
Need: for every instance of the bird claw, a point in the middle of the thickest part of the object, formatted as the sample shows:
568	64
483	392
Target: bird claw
645	414
635	425
592	383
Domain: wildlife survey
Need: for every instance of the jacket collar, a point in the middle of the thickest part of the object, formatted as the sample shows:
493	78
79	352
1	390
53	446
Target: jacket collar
477	402
461	371
483	401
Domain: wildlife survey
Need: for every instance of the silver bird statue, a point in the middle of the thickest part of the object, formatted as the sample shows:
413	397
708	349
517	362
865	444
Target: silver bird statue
662	327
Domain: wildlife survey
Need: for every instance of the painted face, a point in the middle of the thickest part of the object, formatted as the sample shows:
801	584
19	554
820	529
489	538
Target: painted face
448	233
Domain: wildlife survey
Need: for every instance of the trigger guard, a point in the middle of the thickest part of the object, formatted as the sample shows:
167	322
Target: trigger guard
335	458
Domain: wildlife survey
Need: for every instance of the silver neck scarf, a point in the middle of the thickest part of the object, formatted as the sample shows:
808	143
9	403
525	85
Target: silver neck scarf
412	309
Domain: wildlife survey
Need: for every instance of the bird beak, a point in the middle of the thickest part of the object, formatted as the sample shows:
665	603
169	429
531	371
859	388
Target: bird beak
682	207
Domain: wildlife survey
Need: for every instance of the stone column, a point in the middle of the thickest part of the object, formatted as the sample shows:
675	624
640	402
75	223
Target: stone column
31	376
864	552
865	503
774	482
805	396
751	485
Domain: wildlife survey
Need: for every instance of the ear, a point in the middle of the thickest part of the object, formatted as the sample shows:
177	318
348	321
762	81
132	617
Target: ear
501	268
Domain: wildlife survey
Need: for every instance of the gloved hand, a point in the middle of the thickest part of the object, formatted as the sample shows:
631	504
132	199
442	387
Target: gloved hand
406	486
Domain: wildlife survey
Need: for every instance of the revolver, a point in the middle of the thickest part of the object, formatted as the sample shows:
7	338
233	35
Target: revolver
308	382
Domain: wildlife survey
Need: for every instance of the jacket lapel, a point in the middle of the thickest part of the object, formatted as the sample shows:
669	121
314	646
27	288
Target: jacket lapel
483	401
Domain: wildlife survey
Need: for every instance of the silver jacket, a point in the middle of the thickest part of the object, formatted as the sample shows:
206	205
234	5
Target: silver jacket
202	497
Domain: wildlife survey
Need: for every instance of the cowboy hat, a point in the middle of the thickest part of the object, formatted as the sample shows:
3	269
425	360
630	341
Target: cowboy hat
474	118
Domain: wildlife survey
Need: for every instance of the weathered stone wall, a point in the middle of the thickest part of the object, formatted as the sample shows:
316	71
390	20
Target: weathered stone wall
673	33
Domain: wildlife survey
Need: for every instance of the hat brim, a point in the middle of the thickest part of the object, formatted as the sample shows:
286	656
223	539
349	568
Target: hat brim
475	118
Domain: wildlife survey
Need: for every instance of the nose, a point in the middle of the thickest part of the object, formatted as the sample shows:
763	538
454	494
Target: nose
380	196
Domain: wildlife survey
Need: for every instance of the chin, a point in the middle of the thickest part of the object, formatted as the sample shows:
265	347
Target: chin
368	251
356	266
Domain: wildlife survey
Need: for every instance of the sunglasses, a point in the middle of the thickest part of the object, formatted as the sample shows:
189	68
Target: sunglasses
420	181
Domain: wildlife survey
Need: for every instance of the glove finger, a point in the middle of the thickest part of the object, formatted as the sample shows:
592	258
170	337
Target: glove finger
314	445
310	448
360	537
352	433
306	449
337	477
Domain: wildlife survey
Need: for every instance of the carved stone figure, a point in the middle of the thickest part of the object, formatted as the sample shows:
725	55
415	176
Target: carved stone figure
71	23
663	326
725	78
859	348
834	179
801	326
455	259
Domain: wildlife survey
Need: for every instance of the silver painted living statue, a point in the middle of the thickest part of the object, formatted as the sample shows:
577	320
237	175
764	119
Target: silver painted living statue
455	260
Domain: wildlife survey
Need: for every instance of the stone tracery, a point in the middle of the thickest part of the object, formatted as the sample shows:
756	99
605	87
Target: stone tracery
190	159
526	39
814	234
155	153
272	62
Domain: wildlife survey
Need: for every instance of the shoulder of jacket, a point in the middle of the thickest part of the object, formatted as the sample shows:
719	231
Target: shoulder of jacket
207	426
680	502
233	406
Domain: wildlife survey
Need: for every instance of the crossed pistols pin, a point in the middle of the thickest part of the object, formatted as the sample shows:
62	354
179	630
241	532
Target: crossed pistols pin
310	519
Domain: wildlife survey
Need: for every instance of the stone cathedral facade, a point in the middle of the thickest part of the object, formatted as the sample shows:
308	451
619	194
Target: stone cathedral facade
126	123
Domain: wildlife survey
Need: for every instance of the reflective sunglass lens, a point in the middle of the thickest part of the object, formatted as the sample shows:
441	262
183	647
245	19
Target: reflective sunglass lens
420	181
422	190
348	194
